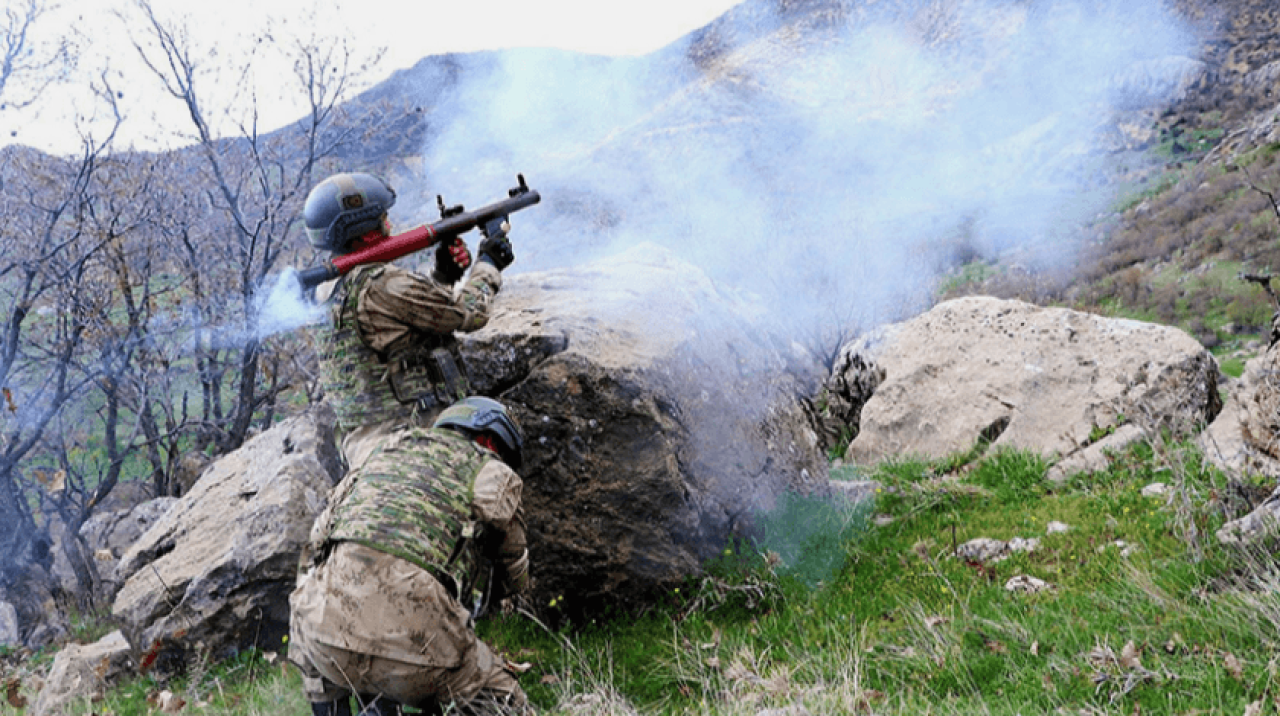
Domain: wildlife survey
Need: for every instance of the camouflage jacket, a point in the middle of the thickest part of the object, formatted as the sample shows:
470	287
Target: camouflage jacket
381	357
435	499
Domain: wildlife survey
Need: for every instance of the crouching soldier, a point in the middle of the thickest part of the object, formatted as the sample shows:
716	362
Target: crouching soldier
415	541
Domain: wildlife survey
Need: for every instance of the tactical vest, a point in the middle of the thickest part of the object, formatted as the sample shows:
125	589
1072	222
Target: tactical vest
364	386
413	500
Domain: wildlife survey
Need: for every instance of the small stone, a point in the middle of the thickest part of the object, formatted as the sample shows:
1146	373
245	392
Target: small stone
1026	584
1155	489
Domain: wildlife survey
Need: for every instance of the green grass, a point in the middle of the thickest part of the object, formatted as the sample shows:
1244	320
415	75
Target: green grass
1194	143
251	684
968	275
849	610
1232	366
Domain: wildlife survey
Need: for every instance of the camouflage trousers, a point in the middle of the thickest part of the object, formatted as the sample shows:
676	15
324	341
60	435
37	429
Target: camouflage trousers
422	652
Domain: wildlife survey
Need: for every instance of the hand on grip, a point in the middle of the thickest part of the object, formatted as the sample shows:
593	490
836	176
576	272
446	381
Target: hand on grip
496	250
452	260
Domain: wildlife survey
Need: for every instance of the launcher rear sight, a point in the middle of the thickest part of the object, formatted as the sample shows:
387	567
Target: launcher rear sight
447	211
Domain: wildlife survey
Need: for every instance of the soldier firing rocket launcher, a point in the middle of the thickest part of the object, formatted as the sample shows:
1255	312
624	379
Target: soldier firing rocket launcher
454	221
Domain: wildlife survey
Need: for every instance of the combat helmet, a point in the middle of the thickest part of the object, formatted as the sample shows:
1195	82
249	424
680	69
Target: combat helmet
476	415
345	207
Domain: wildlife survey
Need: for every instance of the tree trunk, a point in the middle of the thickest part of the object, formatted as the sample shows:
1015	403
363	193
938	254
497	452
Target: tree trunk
248	396
26	578
17	526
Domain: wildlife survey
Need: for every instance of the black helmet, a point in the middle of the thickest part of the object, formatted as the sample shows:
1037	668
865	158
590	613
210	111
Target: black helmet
475	415
345	207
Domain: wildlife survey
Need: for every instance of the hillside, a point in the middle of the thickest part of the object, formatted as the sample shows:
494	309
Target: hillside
850	163
1195	202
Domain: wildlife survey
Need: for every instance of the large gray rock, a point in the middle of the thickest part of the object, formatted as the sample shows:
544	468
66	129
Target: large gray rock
81	672
1228	446
1258	402
1049	380
659	417
1244	441
213	574
109	534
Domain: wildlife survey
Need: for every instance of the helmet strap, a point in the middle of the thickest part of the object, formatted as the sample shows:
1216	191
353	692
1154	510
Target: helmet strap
485	440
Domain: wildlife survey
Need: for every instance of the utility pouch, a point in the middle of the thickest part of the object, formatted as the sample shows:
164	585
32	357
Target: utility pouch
428	377
452	384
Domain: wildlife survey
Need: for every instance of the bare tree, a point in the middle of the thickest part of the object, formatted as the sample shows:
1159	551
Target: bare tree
43	254
254	185
28	67
47	304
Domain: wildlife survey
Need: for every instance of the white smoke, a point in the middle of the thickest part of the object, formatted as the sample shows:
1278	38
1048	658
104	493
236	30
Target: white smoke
819	166
281	306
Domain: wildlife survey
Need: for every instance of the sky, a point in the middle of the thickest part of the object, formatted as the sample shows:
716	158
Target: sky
409	31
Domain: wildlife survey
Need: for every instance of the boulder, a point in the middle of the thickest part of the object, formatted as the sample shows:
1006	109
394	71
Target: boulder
1246	437
1048	380
1226	446
109	534
1245	441
659	415
81	672
213	574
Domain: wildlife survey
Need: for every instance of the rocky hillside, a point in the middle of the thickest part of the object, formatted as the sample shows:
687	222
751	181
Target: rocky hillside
1195	197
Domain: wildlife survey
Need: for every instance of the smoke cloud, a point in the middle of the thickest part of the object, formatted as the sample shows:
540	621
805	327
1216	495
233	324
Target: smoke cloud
833	159
280	306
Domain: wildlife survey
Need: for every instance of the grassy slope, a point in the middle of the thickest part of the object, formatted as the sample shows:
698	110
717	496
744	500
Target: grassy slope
878	615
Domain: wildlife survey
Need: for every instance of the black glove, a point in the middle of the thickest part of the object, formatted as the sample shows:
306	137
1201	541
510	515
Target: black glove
496	250
452	260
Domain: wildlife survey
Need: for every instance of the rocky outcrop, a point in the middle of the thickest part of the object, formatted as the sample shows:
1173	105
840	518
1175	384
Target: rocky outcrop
1050	380
1245	442
1245	437
214	573
109	534
659	417
82	672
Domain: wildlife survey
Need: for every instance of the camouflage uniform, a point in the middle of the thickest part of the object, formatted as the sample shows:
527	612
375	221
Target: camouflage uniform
391	331
423	522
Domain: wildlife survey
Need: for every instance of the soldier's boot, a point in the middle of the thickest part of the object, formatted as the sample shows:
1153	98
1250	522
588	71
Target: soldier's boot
341	707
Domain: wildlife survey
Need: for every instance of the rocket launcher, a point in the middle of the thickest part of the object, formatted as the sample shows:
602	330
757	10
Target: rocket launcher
454	221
